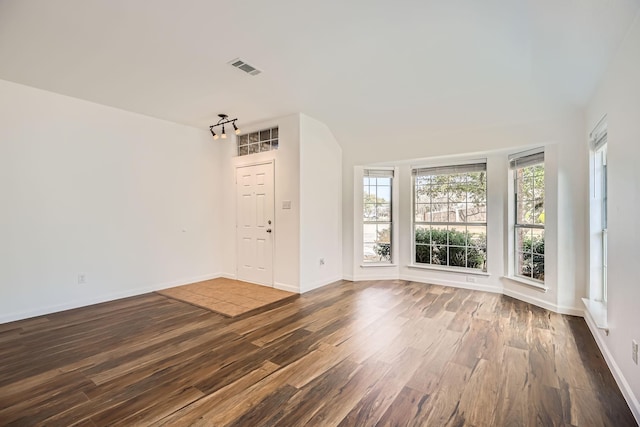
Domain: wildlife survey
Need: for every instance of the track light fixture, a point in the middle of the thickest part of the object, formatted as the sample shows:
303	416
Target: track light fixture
224	119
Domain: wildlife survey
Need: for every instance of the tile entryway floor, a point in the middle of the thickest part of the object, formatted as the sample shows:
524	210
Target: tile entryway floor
226	296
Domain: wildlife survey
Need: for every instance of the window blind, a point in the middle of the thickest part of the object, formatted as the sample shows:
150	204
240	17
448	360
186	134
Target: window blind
379	173
598	135
600	142
524	159
448	170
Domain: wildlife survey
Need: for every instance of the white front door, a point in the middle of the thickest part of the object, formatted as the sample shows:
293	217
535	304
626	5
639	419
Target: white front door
255	228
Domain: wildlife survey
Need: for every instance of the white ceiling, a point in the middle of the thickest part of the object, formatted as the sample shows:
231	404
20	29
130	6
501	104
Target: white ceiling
433	65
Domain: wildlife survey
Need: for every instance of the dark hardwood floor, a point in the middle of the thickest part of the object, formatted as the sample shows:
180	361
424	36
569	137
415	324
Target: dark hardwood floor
350	354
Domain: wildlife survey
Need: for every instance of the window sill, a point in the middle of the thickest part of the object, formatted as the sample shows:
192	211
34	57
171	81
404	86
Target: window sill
598	312
537	285
458	270
377	264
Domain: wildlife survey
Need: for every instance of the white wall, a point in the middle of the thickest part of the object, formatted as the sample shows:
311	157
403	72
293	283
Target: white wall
128	200
563	139
619	97
320	205
286	230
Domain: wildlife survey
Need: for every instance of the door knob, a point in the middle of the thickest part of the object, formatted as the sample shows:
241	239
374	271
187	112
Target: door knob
268	230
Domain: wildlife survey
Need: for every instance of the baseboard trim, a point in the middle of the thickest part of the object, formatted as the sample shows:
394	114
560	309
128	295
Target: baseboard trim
319	284
572	311
362	278
282	286
452	283
286	287
627	392
373	275
111	296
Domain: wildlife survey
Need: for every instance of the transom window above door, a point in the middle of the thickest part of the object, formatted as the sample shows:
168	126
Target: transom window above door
257	142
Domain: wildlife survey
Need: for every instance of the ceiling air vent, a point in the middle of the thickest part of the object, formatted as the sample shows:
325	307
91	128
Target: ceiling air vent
249	69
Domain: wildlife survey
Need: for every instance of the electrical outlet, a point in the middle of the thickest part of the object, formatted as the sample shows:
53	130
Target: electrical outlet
321	261
82	279
471	279
634	351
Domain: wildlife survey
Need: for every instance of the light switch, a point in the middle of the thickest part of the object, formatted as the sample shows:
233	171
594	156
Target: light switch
286	204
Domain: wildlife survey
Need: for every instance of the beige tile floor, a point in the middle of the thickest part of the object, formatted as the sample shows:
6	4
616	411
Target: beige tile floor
225	296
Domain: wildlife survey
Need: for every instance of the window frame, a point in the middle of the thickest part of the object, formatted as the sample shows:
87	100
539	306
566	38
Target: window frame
378	173
517	162
605	223
262	143
598	189
449	169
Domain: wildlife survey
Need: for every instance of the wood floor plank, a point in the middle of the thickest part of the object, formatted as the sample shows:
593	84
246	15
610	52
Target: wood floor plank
385	352
198	410
545	405
340	401
304	404
472	344
465	311
541	358
258	414
21	398
20	417
444	406
479	399
405	409
374	338
513	398
374	404
155	411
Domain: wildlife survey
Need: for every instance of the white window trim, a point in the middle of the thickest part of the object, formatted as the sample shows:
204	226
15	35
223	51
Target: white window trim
511	218
448	164
358	195
596	303
452	269
378	264
598	312
531	283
